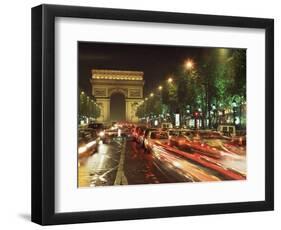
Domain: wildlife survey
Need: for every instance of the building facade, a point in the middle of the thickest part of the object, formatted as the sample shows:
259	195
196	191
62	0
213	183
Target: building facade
107	82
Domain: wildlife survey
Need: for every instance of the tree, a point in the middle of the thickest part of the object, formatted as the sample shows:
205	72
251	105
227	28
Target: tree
87	106
169	96
93	109
82	103
237	71
141	111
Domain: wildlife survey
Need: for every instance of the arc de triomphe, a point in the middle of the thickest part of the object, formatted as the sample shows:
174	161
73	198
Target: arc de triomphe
107	82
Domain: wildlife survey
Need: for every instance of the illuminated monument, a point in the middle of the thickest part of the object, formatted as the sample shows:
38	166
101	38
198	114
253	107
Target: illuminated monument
105	83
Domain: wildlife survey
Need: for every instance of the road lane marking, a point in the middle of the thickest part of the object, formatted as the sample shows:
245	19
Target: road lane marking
121	179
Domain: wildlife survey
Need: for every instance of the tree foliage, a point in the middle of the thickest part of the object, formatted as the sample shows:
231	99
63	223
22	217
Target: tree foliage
87	106
219	78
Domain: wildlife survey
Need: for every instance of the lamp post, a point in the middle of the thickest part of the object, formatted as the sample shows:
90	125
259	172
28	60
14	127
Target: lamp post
214	113
196	115
234	109
160	94
189	64
207	114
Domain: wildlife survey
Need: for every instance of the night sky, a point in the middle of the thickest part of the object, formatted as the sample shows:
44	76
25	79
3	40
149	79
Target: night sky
156	61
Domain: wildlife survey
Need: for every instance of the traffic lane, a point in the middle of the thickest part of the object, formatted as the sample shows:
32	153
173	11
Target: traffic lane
160	166
140	167
225	157
100	168
182	169
207	162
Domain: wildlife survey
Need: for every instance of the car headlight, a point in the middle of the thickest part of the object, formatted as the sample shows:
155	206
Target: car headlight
91	144
101	133
82	149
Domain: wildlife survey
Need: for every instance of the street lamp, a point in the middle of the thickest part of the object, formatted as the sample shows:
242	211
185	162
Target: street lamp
160	87
170	80
234	109
189	64
146	99
152	94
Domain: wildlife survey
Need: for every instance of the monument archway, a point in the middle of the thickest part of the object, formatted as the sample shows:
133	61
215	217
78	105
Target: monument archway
106	83
117	107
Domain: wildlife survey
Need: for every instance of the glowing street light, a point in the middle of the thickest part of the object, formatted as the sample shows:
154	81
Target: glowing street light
152	94
160	87
146	99
189	64
170	80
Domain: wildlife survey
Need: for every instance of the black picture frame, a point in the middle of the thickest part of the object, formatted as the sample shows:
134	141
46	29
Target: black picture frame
43	110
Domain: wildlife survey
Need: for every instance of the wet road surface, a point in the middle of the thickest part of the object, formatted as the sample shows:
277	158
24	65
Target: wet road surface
122	162
101	167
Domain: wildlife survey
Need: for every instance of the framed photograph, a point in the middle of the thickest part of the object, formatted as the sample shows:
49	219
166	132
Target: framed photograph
141	114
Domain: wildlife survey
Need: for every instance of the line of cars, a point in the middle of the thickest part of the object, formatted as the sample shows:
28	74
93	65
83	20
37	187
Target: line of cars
89	138
208	142
147	137
91	135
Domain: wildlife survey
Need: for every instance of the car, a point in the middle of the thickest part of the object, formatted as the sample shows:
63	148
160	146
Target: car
176	132
110	133
126	132
96	126
239	140
179	137
88	142
166	125
138	131
206	136
154	137
227	130
141	138
99	128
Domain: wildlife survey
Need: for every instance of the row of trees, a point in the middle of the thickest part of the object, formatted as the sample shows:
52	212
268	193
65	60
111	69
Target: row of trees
213	84
87	106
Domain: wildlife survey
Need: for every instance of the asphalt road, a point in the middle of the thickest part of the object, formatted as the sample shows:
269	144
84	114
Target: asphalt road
122	162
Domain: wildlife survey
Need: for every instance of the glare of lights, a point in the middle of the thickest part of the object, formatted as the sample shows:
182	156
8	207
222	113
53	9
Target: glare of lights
82	92
101	134
82	149
160	87
170	80
177	164
152	94
234	104
237	120
119	132
90	144
189	64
